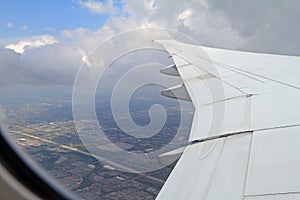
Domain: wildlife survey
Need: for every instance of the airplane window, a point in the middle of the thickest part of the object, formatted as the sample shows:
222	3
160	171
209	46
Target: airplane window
90	96
88	112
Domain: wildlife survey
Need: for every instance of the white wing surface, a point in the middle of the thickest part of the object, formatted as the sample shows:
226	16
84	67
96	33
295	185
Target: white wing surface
245	135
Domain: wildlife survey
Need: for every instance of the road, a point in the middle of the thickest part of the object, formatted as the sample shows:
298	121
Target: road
108	162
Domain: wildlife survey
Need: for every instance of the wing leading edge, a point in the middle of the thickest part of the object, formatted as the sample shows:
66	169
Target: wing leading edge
246	125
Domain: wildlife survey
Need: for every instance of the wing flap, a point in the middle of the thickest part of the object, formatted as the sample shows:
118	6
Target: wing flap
205	170
225	117
274	162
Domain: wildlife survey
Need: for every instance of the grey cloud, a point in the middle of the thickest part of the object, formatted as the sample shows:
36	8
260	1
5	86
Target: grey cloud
270	26
55	64
8	65
266	26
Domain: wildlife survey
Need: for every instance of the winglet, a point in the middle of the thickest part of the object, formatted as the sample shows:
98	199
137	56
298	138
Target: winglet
170	70
177	92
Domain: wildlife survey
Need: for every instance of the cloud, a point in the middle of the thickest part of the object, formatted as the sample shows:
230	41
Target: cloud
38	60
185	14
24	27
266	26
84	57
9	25
262	26
79	32
49	29
86	39
192	17
30	43
51	64
97	7
270	26
9	60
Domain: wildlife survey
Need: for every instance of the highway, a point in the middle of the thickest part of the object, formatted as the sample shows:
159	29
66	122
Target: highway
103	160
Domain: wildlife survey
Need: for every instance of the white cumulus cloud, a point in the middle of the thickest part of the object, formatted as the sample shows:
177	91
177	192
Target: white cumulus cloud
97	7
30	43
185	14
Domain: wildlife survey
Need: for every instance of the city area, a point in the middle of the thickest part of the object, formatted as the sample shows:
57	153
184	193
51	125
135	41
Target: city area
45	129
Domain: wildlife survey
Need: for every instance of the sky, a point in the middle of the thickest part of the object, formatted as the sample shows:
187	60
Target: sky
32	32
33	17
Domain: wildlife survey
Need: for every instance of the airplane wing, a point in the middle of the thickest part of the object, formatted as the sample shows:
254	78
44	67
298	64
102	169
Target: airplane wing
245	135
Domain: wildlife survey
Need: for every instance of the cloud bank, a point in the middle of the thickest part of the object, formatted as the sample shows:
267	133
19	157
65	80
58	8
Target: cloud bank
39	64
270	26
